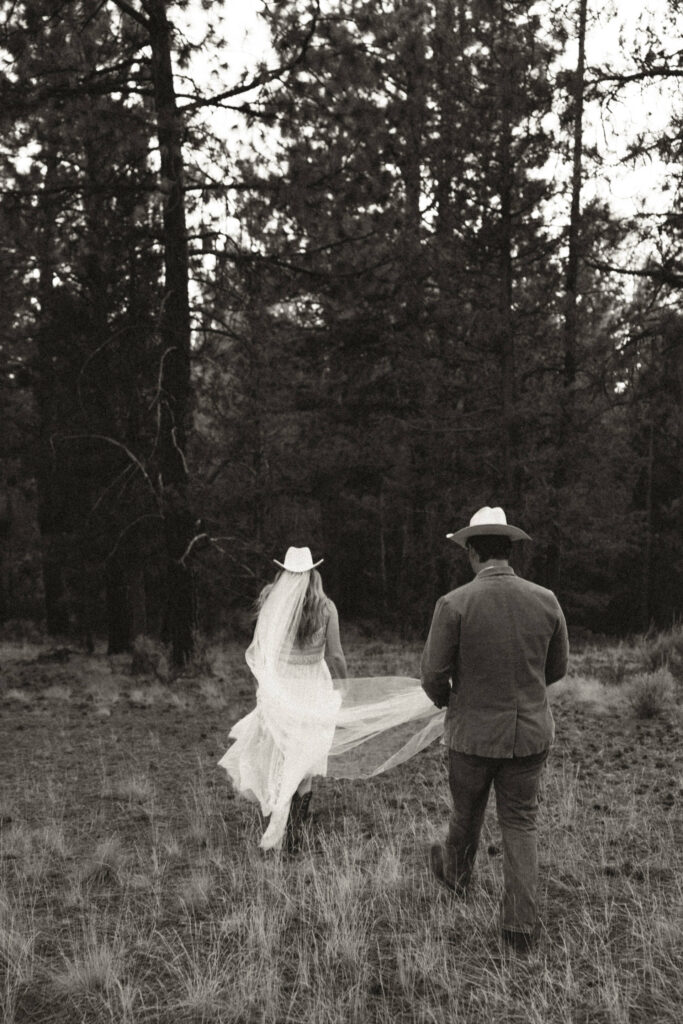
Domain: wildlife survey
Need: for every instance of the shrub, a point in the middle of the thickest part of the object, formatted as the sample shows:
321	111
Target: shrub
149	658
202	661
665	650
25	630
651	693
615	667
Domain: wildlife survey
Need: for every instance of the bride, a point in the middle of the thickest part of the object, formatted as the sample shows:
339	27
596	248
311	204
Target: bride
306	722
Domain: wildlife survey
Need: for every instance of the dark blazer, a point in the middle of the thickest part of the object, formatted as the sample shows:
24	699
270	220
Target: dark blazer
494	646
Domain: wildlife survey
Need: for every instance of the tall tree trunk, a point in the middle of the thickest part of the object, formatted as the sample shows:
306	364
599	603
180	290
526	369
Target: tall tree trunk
383	549
412	360
6	523
258	385
506	326
137	598
174	398
411	169
646	574
118	611
50	501
450	78
678	370
566	416
446	73
574	239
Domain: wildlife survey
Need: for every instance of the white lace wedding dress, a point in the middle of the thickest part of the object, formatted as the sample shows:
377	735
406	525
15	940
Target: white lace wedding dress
305	723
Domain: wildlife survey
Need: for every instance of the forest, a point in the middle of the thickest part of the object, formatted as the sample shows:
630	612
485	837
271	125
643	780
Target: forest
340	296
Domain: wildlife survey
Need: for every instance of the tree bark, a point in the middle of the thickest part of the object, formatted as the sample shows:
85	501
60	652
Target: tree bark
646	576
50	502
450	78
507	335
566	414
118	612
574	240
137	600
411	168
413	360
174	376
6	522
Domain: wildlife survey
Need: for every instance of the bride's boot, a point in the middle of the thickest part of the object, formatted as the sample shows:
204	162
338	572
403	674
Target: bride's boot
298	813
304	805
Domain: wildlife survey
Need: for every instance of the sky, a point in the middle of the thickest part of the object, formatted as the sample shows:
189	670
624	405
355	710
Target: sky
618	33
614	27
615	30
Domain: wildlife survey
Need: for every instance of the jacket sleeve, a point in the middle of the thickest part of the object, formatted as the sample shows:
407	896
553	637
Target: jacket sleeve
438	657
558	651
334	655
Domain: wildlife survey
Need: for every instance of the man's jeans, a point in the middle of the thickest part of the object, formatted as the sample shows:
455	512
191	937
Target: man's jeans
516	781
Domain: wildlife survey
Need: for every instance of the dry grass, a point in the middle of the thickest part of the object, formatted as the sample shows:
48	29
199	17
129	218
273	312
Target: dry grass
17	696
133	788
106	864
133	890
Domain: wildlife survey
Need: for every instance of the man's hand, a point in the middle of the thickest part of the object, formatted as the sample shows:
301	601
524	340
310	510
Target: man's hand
439	655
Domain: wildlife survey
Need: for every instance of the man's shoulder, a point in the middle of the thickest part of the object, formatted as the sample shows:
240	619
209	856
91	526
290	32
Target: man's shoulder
536	588
459	595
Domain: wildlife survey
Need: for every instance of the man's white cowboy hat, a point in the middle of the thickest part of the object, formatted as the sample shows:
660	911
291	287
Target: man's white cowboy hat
487	521
298	560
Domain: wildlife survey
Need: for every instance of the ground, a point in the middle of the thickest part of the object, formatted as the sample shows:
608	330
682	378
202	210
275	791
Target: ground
133	889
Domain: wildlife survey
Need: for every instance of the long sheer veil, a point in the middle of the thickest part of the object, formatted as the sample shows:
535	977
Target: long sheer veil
382	722
277	624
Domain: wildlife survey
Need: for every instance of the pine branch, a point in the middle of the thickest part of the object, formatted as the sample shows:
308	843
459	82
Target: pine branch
269	75
662	274
93	14
638	76
19	105
138	16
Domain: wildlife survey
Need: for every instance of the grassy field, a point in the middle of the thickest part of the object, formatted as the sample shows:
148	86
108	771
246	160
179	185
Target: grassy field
133	890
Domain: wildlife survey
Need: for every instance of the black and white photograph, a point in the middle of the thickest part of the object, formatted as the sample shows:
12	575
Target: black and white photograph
341	511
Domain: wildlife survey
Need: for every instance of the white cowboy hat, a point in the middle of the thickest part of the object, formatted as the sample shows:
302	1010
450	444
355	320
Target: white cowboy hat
487	521
298	560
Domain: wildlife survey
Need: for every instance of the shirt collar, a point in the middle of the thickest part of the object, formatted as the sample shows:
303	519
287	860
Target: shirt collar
495	570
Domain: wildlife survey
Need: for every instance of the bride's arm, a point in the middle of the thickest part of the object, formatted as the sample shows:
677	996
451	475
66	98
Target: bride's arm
334	655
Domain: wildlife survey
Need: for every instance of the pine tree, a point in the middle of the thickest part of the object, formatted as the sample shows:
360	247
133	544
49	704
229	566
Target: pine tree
404	217
86	257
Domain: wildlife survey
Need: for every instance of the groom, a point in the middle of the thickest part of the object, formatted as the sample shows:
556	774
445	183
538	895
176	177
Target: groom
494	646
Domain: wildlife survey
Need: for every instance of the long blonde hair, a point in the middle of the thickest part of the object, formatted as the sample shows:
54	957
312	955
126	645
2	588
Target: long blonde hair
314	610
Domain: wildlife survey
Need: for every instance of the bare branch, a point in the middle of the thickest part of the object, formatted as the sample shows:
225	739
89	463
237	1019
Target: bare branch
207	537
197	537
117	444
181	453
117	479
171	348
128	528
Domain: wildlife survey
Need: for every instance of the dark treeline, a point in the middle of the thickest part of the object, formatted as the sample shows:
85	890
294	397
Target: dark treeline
342	300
